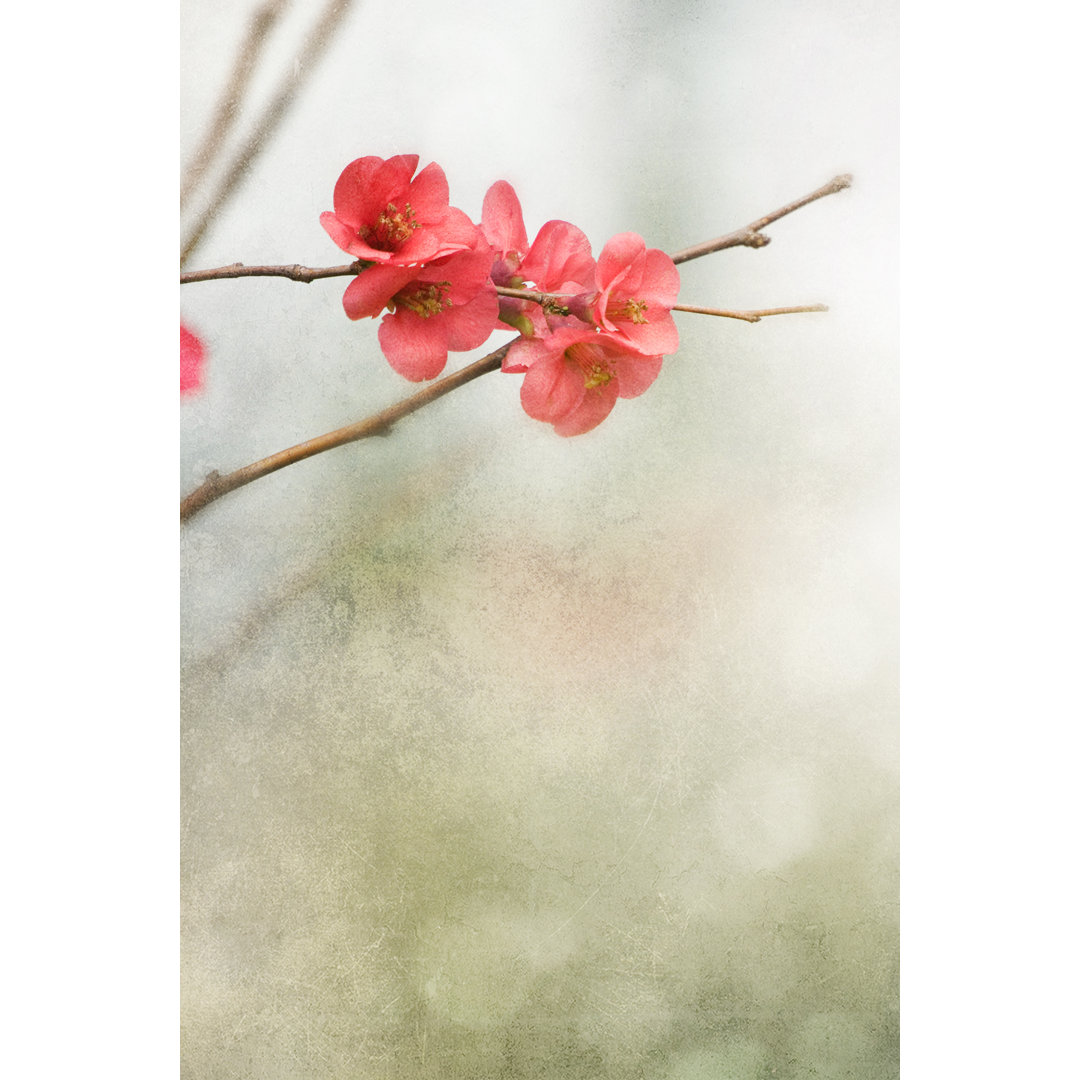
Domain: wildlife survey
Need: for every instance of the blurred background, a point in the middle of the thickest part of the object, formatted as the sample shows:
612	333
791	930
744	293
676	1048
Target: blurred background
506	755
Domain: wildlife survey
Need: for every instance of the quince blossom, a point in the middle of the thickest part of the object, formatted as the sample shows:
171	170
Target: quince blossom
383	214
574	376
448	304
636	289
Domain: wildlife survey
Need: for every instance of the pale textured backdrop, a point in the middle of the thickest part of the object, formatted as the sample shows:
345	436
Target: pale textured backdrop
513	756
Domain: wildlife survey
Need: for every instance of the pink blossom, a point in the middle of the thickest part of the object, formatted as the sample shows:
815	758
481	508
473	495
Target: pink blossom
558	261
192	360
574	376
446	305
636	289
504	229
383	214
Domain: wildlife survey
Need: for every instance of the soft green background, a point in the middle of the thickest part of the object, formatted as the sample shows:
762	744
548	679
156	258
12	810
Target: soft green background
512	756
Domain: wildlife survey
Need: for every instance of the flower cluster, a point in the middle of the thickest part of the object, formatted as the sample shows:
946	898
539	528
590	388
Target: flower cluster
598	332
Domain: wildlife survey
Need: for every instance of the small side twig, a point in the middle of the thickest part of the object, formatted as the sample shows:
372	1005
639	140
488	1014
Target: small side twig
751	316
751	235
228	106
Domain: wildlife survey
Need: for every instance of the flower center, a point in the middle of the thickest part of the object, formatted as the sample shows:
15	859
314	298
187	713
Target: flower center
425	300
391	229
597	368
631	309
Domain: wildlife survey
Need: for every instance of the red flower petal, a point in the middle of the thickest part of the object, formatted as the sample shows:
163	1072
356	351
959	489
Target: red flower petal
634	374
423	246
501	220
470	324
552	388
661	278
389	183
370	291
352	192
415	347
594	408
466	271
658	337
560	259
429	194
523	353
342	235
618	254
458	229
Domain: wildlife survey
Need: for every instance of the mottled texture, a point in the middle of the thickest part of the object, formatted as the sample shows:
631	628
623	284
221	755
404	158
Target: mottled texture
511	756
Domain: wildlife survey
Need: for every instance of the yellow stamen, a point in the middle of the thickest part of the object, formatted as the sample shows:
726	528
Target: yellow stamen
425	300
597	368
634	310
392	228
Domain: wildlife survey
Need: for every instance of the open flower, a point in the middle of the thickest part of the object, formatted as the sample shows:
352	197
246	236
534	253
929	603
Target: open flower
574	376
383	214
446	305
636	289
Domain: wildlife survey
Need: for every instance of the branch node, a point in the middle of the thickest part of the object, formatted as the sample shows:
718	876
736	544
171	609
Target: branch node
758	240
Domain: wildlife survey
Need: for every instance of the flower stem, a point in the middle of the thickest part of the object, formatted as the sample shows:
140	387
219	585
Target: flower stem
751	316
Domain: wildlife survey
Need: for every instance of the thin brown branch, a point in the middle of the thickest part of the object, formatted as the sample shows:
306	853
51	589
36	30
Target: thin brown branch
294	272
228	106
751	316
751	235
216	485
313	49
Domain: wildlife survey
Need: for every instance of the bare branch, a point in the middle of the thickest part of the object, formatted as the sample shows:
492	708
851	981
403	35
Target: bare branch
228	106
380	423
313	49
751	235
216	485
